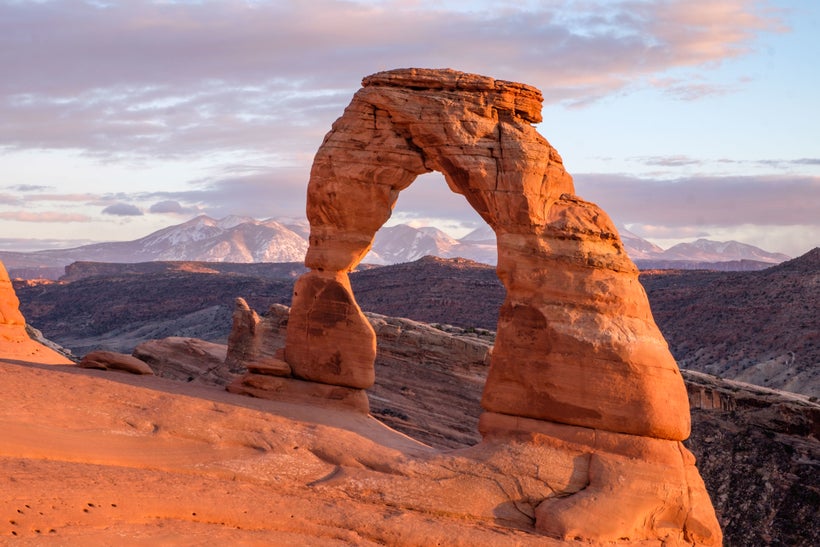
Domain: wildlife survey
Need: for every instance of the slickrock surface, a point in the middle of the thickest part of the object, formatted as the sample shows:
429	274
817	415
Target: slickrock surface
143	460
15	342
579	364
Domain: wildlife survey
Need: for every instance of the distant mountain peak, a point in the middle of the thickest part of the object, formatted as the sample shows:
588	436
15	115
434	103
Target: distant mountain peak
230	221
237	238
483	233
707	250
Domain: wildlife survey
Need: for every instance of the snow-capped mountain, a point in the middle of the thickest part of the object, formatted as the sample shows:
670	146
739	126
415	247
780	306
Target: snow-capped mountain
403	243
481	235
637	247
243	239
719	251
231	239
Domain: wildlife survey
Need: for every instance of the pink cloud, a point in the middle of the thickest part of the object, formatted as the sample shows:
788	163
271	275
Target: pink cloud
8	199
45	216
175	78
79	198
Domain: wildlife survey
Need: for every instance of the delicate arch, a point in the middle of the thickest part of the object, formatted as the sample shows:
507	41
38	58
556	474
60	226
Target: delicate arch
576	342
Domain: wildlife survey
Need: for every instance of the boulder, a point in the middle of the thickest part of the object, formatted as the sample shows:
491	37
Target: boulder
111	360
186	359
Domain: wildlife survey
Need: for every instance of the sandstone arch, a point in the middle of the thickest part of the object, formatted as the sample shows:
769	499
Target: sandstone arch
576	342
580	379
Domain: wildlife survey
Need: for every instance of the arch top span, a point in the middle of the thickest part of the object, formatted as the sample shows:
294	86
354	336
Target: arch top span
519	99
475	130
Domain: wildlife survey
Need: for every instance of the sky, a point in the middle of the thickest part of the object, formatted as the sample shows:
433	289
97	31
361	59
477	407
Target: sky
681	118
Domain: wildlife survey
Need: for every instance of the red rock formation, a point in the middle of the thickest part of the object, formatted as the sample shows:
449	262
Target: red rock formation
186	359
251	343
577	348
111	360
15	343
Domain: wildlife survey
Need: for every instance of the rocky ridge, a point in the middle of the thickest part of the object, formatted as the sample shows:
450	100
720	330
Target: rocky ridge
756	327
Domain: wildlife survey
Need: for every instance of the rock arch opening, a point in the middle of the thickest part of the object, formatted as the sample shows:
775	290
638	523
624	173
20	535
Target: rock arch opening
430	219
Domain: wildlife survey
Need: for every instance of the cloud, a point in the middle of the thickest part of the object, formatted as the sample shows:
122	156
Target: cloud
670	161
77	198
705	200
8	199
668	232
254	192
170	206
28	187
20	244
45	216
122	209
173	78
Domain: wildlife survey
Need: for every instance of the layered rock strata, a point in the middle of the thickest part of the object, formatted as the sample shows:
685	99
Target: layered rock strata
577	348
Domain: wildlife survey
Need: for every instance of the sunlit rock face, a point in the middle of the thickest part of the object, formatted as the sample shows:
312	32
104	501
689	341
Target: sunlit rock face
15	342
10	316
576	341
578	357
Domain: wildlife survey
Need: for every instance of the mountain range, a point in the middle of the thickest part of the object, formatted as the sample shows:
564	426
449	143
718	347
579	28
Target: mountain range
246	240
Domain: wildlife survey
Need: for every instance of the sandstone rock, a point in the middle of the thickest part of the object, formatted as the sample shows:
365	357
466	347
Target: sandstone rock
331	341
397	338
9	304
110	360
576	344
431	354
242	342
640	486
15	341
265	386
255	344
186	359
576	341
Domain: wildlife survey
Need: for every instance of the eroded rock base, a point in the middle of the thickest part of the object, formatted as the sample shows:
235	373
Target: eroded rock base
278	388
255	347
647	488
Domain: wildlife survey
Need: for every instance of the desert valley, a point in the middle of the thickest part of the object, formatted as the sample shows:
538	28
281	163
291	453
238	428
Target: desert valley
188	402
